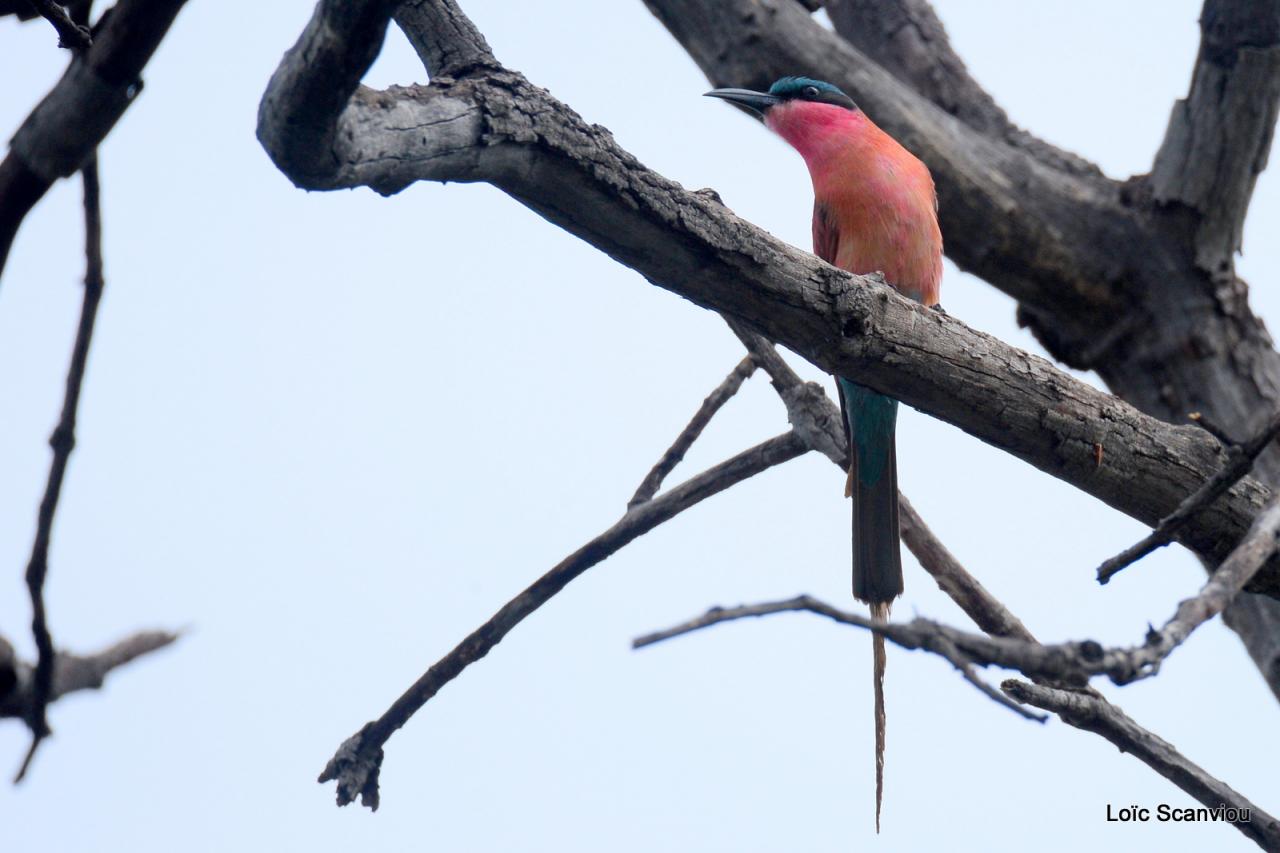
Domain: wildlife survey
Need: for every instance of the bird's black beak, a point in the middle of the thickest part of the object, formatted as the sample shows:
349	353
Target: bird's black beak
755	101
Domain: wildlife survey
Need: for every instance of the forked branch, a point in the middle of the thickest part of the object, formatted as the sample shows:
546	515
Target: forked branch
493	125
357	764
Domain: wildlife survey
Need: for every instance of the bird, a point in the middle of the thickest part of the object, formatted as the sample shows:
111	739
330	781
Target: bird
875	209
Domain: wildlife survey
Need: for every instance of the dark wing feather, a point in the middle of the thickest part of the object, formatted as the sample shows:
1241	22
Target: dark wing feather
826	237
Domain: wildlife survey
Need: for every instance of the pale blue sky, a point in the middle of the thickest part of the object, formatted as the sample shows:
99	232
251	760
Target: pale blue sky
331	433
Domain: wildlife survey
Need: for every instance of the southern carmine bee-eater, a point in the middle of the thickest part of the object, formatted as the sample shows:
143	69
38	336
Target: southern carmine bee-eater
874	209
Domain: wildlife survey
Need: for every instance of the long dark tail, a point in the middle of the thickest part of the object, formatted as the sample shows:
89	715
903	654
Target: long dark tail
870	424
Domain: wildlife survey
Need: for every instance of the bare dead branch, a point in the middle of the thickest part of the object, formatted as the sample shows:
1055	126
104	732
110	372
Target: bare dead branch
675	453
808	405
996	199
71	672
1219	136
357	763
1218	592
906	38
445	39
315	80
490	124
809	411
25	10
493	125
1069	664
1181	335
919	634
1239	461
1086	710
78	113
1093	713
70	34
987	612
62	441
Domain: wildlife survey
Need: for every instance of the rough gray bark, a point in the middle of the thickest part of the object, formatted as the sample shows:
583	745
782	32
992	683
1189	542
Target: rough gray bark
1219	136
1094	714
78	113
906	39
1151	255
480	121
493	125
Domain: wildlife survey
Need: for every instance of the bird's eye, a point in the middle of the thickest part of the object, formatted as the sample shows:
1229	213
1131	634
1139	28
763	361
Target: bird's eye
811	91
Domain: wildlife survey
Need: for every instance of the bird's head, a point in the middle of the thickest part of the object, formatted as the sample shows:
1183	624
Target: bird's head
805	112
787	91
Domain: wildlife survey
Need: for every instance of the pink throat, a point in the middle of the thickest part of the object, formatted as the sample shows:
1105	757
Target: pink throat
816	130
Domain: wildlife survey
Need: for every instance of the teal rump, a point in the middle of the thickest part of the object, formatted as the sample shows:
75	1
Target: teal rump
870	421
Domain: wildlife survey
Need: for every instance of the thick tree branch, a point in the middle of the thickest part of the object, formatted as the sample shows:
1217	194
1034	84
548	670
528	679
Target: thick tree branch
1071	248
1061	241
357	763
1219	136
445	39
301	109
495	126
1092	713
491	125
78	113
1240	458
906	38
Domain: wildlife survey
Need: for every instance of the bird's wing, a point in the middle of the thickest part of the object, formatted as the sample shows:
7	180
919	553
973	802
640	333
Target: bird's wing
826	236
826	245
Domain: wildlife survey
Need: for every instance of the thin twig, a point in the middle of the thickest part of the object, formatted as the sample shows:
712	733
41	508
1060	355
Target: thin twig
809	411
808	405
994	618
712	404
358	761
1091	712
62	441
1258	545
70	34
1071	664
918	634
987	612
1084	709
1207	424
1240	459
71	121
